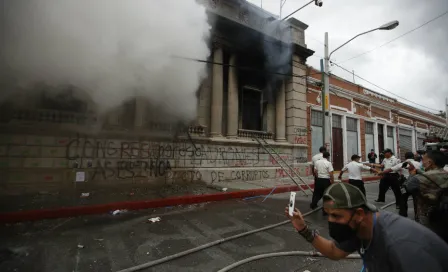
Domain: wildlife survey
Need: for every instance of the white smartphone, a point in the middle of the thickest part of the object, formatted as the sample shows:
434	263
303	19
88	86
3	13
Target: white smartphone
292	201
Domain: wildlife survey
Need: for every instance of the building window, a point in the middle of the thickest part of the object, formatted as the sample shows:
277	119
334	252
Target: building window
369	127
369	138
336	121
390	132
317	118
317	123
390	138
252	108
352	124
352	137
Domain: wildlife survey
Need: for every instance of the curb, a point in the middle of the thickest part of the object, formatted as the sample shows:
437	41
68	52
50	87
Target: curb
35	215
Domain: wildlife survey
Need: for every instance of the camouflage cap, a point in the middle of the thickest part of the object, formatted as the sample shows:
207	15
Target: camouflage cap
346	196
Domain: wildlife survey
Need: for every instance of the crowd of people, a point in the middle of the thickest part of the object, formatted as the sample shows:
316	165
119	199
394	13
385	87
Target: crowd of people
386	241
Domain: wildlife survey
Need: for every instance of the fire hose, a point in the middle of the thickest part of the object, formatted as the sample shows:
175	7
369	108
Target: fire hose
257	257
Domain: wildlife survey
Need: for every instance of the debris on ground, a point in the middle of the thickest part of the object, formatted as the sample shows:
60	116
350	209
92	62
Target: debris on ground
224	189
117	212
84	195
311	259
80	246
99	240
154	219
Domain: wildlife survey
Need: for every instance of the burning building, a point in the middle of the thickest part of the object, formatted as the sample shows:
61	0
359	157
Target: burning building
251	103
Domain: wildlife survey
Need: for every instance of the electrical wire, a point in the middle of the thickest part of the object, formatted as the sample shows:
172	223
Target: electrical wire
243	67
379	114
402	35
345	69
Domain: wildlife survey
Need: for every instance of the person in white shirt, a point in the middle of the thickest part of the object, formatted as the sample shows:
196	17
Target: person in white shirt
315	158
354	173
323	171
403	168
390	179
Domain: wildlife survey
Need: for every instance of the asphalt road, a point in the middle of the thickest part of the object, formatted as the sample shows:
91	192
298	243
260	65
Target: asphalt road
111	243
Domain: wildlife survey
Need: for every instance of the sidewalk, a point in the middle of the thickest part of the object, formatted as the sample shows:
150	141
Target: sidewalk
26	208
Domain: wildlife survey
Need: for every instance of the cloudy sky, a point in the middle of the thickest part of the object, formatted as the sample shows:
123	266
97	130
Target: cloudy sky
414	66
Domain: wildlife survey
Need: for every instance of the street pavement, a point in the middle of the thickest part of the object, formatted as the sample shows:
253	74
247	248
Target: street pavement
111	243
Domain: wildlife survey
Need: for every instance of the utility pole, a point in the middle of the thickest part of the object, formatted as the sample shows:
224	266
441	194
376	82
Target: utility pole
446	110
322	98
282	2
326	98
327	132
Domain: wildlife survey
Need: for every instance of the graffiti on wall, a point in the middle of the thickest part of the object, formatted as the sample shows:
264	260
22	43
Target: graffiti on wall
300	135
109	159
127	160
243	175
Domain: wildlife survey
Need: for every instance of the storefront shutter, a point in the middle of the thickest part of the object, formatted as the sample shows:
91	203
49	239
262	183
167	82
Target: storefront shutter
405	142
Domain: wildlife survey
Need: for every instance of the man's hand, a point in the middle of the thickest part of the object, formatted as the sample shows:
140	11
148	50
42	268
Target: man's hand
296	219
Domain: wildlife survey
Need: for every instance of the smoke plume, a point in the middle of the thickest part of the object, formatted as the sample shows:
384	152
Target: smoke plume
278	54
112	49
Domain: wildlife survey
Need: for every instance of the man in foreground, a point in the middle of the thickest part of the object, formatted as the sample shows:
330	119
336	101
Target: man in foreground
386	241
354	173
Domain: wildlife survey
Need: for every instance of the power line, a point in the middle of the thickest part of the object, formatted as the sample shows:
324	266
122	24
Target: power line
312	38
402	35
243	67
382	87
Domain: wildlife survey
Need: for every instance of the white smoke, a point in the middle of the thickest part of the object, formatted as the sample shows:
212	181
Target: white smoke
113	49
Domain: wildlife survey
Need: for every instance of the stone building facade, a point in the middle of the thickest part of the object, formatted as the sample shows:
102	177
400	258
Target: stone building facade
59	142
363	119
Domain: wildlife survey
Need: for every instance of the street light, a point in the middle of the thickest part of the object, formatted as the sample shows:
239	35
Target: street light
325	74
388	26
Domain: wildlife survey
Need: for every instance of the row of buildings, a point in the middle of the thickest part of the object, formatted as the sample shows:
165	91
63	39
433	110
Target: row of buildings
60	143
363	119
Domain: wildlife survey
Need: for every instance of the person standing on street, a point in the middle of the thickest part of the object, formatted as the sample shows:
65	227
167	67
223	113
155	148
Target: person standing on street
324	172
431	187
403	168
372	156
315	158
386	241
390	179
354	173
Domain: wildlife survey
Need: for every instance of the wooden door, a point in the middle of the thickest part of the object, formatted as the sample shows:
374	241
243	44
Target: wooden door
337	157
380	138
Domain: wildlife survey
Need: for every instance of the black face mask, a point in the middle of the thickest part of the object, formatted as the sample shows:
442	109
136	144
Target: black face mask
341	232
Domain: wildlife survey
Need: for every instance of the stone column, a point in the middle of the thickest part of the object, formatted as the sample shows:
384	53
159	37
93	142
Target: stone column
140	110
295	90
280	117
232	100
217	94
115	116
